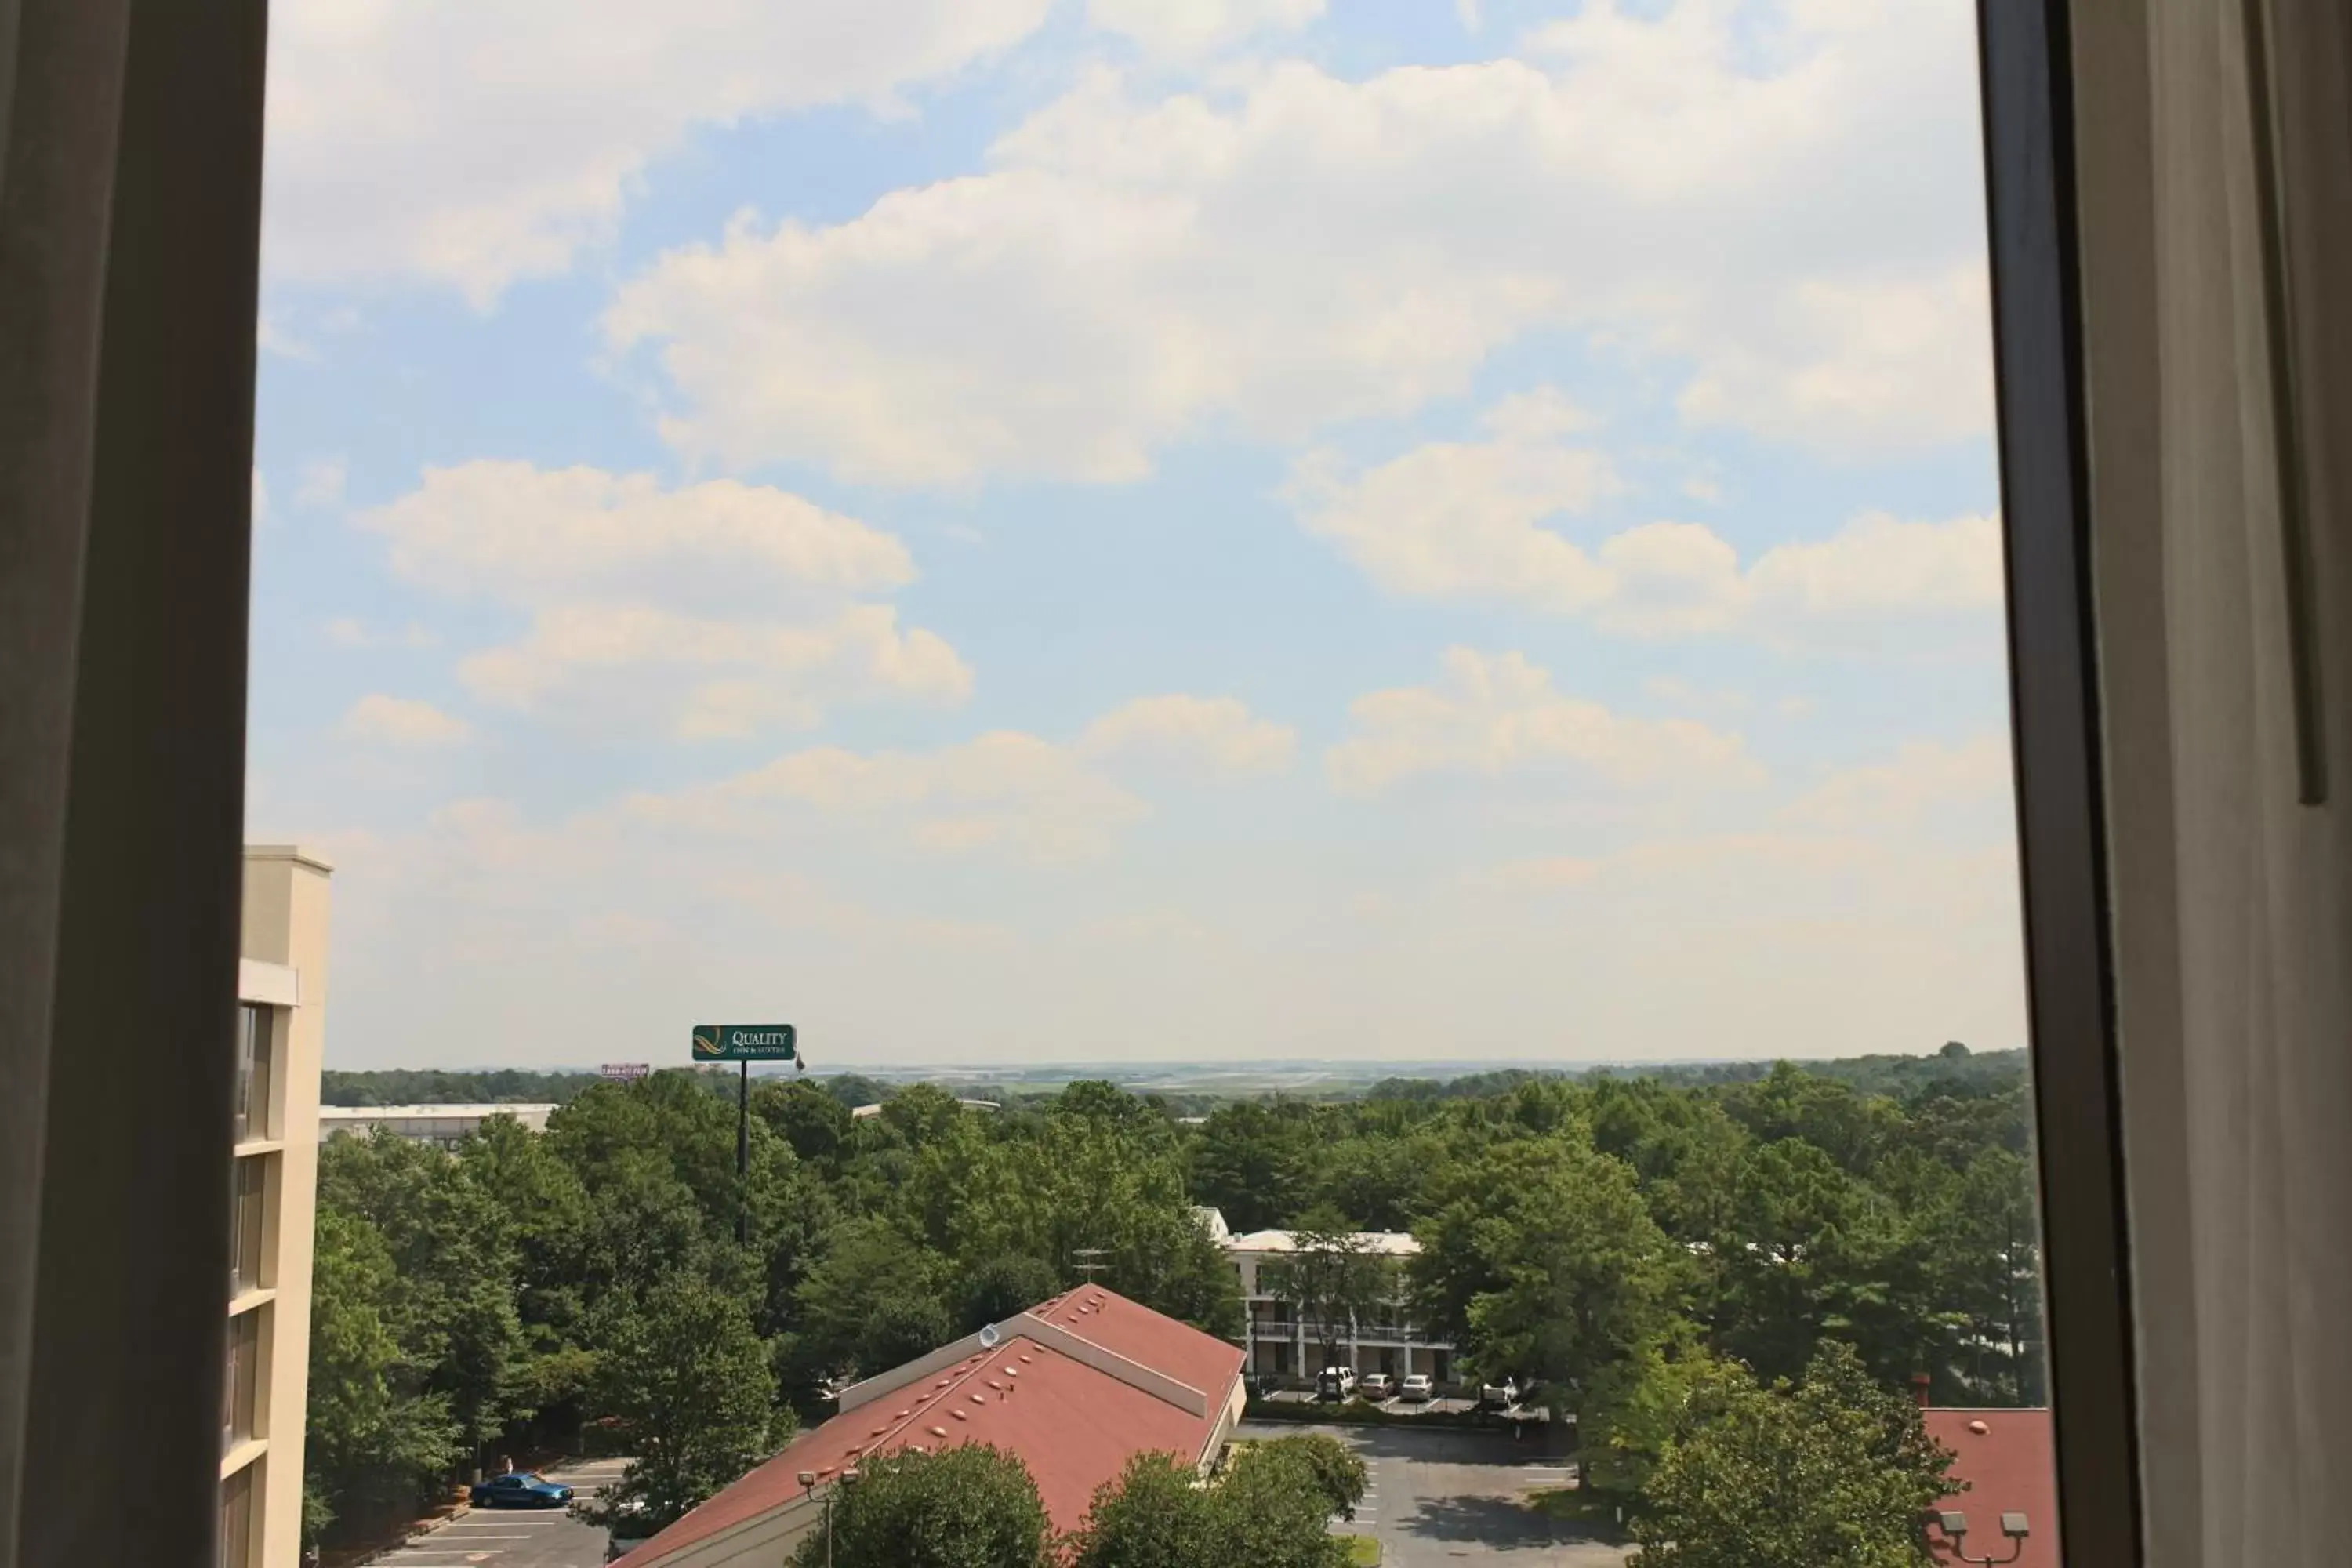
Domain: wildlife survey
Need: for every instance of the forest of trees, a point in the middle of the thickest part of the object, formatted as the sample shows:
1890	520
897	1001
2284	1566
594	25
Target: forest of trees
1667	1256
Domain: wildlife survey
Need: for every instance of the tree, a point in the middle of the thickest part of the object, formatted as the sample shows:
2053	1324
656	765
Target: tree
686	1372
1252	1160
1004	1286
1832	1473
869	1261
1335	1279
813	1123
1155	1515
452	1299
373	1436
901	1328
969	1506
1336	1470
1553	1270
1270	1509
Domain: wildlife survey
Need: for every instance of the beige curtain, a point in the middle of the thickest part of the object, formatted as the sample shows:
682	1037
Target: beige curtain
2232	900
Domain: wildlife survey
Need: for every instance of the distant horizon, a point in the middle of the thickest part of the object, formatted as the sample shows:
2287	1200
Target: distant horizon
1114	1070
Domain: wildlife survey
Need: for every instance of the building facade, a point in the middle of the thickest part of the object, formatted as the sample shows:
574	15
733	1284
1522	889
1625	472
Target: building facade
281	1020
446	1125
1279	1340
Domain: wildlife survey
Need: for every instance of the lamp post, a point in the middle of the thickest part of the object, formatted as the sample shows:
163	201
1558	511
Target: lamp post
808	1484
1955	1526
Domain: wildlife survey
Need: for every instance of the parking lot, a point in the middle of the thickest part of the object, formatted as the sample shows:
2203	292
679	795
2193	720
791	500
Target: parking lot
1440	1497
514	1538
1394	1406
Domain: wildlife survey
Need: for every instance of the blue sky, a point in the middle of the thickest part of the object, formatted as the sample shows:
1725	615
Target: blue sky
1128	529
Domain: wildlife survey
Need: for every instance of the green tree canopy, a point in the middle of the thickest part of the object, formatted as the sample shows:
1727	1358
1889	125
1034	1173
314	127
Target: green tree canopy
683	1368
969	1506
1271	1508
1835	1472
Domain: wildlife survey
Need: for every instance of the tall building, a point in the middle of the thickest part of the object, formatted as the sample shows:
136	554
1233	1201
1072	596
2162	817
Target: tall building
281	1022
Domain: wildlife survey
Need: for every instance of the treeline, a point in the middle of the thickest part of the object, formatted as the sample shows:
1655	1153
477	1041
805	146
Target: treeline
1646	1250
525	1288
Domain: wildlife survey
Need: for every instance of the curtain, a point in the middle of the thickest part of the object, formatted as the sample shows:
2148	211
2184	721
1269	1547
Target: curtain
129	197
2230	893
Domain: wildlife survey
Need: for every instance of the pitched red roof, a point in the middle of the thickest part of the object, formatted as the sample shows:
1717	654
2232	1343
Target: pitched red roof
2011	1467
1075	1425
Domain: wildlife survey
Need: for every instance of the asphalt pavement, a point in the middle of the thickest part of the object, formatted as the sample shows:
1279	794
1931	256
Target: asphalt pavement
1437	1497
514	1537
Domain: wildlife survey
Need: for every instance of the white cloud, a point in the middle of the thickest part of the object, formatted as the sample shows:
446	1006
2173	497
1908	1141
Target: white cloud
1924	779
1295	249
402	722
1002	791
1216	732
1465	519
351	632
709	610
1474	520
514	531
322	483
1492	713
1192	28
704	679
469	143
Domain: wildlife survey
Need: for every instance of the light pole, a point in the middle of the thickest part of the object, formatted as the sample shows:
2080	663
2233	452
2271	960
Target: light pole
1955	1526
808	1484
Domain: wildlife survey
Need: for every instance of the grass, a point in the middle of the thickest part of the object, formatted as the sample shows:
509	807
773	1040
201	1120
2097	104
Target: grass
1362	1550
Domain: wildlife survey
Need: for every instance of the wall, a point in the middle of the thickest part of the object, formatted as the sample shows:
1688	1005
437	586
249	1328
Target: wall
285	920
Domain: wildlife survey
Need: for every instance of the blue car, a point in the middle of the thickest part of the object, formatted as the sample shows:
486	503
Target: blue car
519	1489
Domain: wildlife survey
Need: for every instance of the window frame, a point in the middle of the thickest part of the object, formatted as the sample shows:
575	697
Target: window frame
2027	80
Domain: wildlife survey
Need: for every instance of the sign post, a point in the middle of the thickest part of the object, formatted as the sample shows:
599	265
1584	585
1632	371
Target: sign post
744	1043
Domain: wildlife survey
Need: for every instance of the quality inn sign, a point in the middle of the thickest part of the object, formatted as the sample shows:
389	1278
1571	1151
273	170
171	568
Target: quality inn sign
745	1042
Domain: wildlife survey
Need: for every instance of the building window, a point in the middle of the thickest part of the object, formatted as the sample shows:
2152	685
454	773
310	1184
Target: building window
252	1046
248	1192
244	1371
237	1519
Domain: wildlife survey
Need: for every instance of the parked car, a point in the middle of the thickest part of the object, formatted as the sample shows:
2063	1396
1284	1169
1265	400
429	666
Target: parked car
1375	1386
1498	1396
1416	1389
519	1489
1336	1382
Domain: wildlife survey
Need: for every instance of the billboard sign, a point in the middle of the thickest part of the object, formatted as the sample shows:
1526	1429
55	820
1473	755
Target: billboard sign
745	1042
625	1072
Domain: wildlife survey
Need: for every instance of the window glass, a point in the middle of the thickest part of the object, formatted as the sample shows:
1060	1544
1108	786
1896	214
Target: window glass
237	1532
243	1371
1344	663
252	1118
247	1198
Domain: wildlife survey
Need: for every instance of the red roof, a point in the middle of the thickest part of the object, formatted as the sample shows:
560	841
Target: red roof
2011	1467
1073	1425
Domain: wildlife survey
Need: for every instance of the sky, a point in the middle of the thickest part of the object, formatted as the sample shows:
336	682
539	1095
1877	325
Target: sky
1018	531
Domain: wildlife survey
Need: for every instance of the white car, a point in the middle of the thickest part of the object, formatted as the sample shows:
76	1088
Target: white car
1375	1386
1416	1389
1498	1396
1336	1382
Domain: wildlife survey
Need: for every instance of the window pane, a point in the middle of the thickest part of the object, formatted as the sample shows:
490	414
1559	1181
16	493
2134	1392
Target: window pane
251	1117
238	1387
247	1196
237	1519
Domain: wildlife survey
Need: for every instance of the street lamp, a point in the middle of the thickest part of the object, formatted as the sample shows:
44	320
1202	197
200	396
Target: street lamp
1955	1526
808	1484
